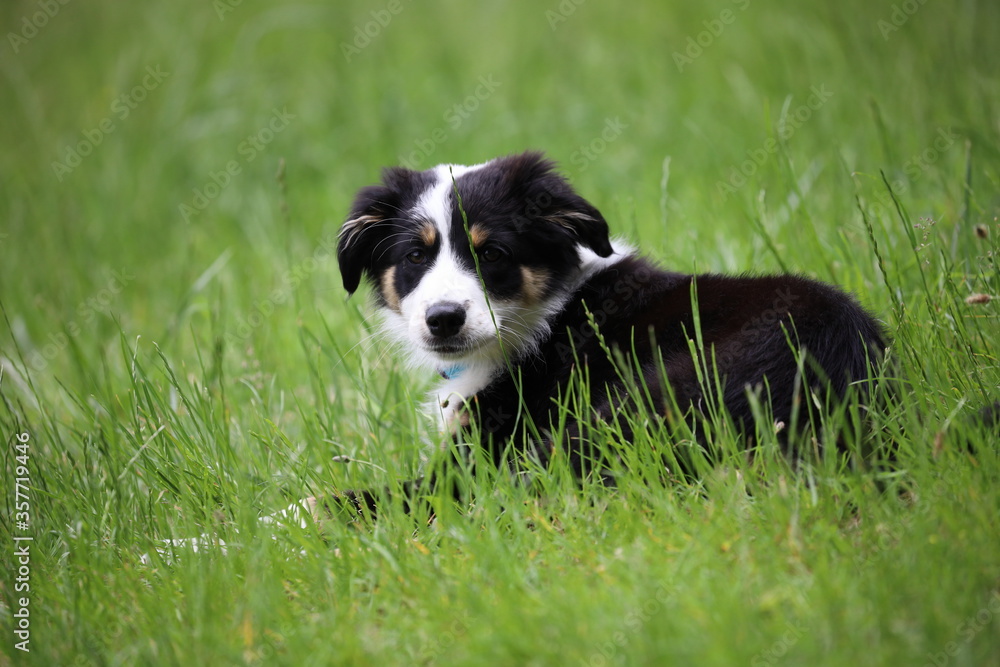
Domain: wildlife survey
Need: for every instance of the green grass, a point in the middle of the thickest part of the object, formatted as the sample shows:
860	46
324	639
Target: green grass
184	371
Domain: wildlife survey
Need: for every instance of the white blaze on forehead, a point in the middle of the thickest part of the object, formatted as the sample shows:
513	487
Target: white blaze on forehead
436	203
446	280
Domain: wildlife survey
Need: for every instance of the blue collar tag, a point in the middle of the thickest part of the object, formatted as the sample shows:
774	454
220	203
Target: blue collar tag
452	372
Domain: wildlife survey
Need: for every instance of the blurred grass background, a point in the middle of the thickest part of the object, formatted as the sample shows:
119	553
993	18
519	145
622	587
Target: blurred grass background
652	109
559	79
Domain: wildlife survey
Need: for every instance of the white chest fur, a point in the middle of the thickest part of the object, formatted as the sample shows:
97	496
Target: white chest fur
450	397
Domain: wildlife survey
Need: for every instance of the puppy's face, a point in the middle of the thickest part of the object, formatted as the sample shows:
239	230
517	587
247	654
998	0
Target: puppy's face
461	289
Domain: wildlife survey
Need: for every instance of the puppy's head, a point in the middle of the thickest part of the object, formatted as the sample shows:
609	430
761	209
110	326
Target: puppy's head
468	262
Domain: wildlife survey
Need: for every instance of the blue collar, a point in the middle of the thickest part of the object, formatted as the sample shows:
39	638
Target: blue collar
452	372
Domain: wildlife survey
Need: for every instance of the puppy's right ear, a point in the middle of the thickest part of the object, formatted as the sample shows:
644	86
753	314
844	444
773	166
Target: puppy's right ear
534	179
370	222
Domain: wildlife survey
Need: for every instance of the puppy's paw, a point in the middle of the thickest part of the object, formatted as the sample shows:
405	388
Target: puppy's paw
300	513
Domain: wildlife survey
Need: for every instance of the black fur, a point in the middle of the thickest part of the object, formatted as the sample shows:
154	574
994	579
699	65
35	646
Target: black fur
755	325
754	328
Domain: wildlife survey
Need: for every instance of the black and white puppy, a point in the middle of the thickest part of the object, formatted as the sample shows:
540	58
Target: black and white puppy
504	280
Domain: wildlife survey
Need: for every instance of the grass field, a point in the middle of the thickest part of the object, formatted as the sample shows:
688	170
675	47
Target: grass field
179	357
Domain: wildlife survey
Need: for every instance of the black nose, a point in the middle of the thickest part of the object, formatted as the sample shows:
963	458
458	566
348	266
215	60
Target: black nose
445	319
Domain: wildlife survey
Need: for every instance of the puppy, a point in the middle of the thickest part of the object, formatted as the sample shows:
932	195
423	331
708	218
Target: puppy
504	281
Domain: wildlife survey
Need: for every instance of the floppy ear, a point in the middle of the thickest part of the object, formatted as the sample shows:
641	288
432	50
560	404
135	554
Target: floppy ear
364	228
374	210
553	200
584	222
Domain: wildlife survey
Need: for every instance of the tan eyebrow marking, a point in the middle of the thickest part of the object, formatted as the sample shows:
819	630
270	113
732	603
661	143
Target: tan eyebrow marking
428	234
478	234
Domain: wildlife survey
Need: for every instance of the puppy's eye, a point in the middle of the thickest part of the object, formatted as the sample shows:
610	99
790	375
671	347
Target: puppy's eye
491	254
416	257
